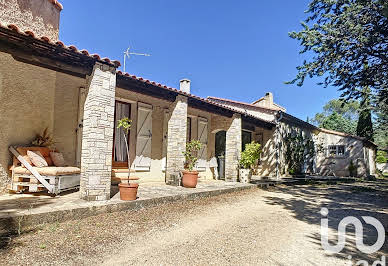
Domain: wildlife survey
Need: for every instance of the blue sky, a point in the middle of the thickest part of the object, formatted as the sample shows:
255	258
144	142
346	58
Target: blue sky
229	49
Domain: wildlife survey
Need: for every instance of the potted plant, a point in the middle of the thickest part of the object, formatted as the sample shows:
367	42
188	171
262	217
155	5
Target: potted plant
190	176
128	191
249	158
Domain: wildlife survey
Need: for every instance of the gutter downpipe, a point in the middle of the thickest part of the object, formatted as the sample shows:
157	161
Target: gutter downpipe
280	117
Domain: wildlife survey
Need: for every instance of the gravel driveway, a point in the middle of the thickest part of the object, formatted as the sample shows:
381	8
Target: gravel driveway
276	227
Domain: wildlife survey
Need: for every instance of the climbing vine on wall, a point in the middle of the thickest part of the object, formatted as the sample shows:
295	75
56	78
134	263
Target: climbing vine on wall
298	150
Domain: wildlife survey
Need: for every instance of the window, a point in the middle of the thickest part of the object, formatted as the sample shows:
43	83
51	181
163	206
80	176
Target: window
336	151
246	138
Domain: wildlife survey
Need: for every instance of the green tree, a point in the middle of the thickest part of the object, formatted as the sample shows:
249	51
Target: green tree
381	157
339	123
381	126
364	125
347	43
338	115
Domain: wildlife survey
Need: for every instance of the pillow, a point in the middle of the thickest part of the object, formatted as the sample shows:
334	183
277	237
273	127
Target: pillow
57	158
37	158
49	161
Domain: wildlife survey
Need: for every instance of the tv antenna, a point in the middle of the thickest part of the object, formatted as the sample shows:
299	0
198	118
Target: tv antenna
128	54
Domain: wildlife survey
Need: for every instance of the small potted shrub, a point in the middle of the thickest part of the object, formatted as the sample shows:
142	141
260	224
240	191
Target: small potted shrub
190	176
128	191
249	158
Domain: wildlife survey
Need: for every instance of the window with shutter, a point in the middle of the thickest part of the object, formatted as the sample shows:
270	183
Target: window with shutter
202	137
143	138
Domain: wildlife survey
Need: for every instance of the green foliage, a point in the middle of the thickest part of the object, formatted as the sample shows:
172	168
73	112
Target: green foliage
250	155
352	169
347	43
339	123
381	126
338	115
381	157
125	123
364	125
190	154
298	150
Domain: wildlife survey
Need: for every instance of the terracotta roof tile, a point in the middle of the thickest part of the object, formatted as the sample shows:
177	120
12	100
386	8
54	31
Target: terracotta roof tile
190	95
241	103
73	48
57	4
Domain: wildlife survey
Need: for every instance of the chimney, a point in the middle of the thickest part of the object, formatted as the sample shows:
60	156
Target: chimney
269	99
39	16
185	85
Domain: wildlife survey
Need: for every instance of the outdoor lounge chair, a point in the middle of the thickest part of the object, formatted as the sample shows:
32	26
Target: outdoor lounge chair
53	179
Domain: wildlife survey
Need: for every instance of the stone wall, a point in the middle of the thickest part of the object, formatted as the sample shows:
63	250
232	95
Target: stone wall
354	151
97	136
176	140
39	16
233	148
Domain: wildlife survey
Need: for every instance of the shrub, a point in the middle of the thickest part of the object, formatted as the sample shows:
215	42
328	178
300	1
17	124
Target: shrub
250	155
190	154
381	157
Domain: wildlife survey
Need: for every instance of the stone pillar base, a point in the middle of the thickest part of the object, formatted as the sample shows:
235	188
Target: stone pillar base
176	140
233	149
173	180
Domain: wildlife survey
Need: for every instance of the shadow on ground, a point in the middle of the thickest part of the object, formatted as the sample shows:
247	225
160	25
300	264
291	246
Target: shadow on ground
305	203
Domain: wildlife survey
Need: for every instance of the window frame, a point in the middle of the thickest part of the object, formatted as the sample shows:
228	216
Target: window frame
337	149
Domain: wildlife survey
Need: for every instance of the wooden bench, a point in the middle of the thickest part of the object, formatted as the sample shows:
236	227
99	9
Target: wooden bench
26	177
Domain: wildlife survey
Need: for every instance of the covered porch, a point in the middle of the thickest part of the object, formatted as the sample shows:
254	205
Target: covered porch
79	97
164	119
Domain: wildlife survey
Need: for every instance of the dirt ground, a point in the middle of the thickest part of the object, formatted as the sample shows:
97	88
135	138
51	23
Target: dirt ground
280	226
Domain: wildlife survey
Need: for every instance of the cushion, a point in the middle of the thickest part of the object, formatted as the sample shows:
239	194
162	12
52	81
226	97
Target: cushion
57	159
49	171
23	152
49	161
37	158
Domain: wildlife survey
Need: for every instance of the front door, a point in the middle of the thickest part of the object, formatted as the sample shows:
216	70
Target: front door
220	153
120	156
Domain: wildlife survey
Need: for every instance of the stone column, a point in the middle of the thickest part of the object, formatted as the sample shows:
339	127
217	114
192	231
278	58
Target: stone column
97	134
233	148
176	140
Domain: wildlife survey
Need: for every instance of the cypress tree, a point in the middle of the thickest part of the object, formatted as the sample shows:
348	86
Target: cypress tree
364	125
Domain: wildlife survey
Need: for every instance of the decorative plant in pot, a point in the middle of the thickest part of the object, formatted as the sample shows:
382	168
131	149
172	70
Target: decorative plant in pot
128	191
248	161
190	176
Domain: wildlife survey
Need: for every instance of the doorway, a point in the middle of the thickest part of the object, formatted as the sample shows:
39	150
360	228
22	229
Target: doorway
120	156
220	144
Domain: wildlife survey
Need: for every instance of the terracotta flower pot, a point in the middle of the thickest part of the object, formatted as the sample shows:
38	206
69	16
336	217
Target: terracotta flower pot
190	178
128	191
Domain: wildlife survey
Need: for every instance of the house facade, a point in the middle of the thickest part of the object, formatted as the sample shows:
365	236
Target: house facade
80	96
334	151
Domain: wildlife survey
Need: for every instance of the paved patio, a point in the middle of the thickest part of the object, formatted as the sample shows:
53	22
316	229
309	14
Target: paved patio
40	208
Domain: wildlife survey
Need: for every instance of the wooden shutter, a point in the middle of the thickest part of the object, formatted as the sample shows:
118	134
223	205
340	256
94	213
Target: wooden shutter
143	137
202	137
165	136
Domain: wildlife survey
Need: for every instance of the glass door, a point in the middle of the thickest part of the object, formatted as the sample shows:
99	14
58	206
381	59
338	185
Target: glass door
120	157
